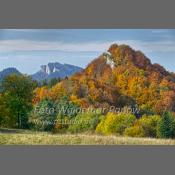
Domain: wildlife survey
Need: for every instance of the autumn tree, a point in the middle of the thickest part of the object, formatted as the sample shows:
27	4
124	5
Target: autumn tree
40	93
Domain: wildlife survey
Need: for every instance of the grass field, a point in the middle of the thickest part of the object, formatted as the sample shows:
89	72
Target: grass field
23	137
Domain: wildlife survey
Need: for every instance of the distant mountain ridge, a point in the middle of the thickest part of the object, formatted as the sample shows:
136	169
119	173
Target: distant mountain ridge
47	72
6	72
55	70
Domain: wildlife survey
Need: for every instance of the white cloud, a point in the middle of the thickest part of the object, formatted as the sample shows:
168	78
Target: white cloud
27	45
99	46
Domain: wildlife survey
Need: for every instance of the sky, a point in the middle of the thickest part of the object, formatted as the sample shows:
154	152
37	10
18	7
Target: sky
28	49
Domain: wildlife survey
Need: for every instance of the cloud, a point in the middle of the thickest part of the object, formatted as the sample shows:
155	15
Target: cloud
28	45
98	46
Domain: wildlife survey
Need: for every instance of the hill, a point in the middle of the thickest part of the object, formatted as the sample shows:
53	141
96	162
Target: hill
4	73
121	77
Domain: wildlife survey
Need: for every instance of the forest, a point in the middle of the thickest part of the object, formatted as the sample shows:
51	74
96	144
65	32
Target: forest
119	93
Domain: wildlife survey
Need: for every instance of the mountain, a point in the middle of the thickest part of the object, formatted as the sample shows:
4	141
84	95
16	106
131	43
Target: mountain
55	70
7	72
118	78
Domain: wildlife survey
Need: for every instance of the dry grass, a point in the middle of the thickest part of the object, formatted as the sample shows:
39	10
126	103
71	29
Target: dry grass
41	138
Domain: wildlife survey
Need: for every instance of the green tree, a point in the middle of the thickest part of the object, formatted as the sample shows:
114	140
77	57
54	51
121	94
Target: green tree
166	126
6	119
67	108
66	111
17	93
43	116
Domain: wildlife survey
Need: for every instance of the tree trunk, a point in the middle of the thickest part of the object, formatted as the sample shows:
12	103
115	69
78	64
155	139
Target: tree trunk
18	120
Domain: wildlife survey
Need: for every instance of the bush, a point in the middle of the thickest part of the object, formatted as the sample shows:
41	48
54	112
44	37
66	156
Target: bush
134	131
146	126
85	122
149	125
115	123
166	126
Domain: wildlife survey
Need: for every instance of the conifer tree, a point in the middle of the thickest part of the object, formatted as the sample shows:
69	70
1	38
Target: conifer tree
166	126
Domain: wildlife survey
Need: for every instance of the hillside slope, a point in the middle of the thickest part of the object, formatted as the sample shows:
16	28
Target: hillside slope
121	77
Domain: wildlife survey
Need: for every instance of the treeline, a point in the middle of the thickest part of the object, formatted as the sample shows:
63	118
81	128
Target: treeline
60	120
18	110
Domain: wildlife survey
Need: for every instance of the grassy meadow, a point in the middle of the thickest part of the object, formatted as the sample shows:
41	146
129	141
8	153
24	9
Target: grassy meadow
24	137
